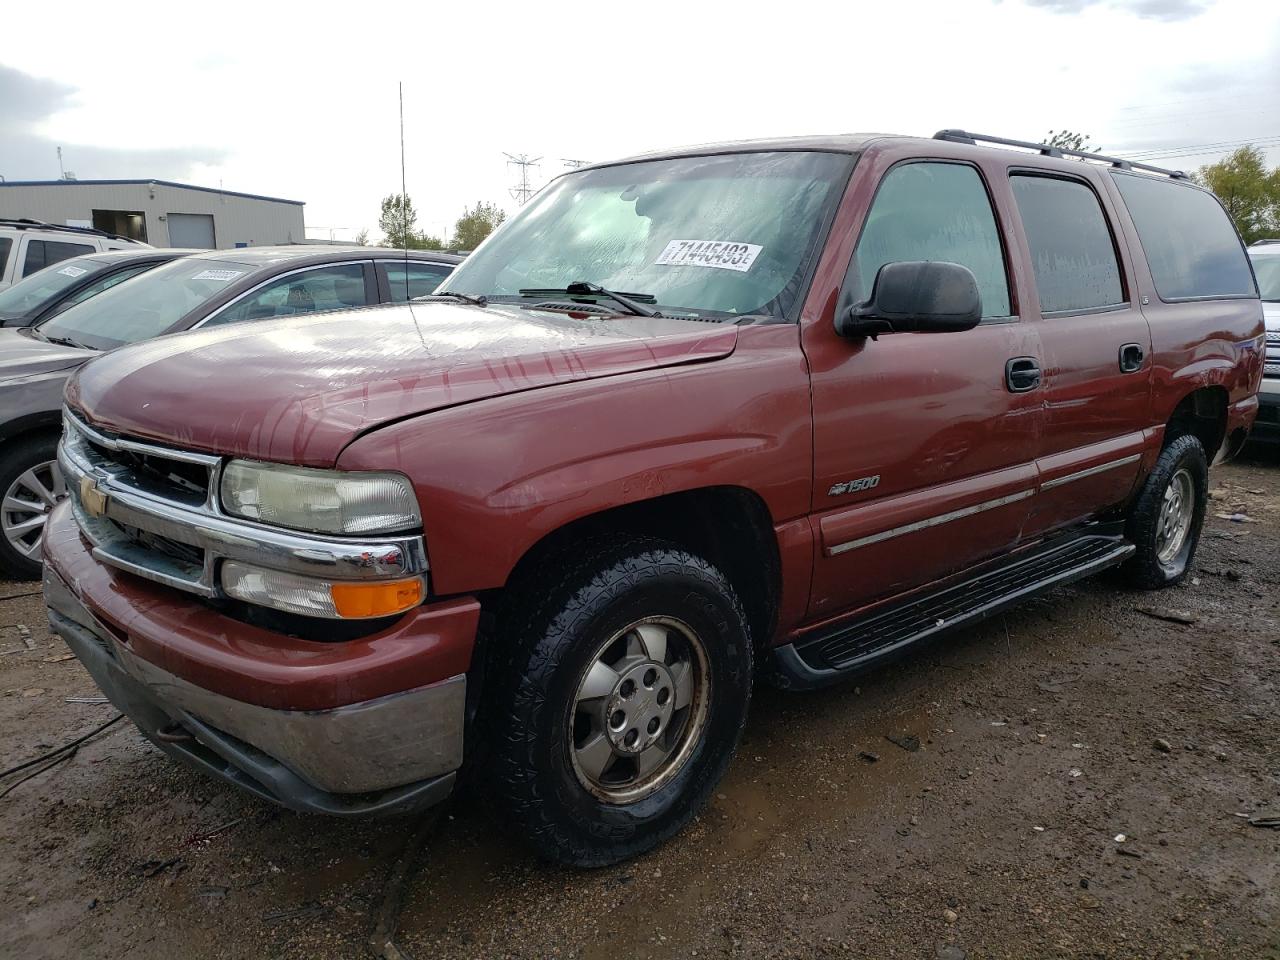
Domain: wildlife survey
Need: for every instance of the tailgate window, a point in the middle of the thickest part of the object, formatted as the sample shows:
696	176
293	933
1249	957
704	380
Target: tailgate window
1192	248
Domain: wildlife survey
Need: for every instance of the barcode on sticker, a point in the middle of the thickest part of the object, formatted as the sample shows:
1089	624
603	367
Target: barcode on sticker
73	271
222	275
724	254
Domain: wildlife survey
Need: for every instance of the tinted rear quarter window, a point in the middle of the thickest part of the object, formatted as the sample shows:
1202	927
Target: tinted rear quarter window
43	253
1073	255
1190	245
6	244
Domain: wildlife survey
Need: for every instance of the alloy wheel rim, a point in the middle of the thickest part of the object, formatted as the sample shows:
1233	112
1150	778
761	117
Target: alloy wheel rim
26	506
639	710
1177	510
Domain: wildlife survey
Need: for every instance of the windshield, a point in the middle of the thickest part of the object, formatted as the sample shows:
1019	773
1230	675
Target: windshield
723	235
145	307
1266	267
43	285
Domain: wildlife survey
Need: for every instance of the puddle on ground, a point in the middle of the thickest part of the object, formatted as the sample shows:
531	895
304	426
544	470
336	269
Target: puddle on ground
800	763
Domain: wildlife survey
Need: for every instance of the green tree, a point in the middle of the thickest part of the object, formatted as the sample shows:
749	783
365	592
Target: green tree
1070	140
397	225
475	224
397	220
362	238
1249	191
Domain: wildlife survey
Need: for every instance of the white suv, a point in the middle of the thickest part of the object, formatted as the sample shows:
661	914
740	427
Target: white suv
1265	255
29	245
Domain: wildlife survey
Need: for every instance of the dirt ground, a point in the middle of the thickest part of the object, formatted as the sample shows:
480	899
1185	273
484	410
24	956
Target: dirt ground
1044	736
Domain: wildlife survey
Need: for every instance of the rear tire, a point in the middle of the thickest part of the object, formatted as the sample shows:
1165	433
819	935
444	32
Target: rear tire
617	697
1166	520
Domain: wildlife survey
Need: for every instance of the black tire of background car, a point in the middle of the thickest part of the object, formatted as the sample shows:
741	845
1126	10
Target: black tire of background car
545	638
1144	569
15	459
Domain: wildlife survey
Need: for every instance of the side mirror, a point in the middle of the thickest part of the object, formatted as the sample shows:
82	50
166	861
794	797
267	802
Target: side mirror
917	296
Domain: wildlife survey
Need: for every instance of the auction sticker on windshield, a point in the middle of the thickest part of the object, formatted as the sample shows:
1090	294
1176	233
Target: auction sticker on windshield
72	271
725	255
223	275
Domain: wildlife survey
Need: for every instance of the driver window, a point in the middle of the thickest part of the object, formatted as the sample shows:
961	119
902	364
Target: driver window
336	287
934	211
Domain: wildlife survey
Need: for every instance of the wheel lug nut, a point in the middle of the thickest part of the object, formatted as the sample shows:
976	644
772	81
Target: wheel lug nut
633	735
653	726
618	720
650	677
663	696
627	689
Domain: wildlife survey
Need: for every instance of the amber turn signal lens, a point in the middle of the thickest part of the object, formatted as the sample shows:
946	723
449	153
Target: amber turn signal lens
377	598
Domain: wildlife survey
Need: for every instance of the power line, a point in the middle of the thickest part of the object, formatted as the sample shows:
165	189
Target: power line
522	191
1200	149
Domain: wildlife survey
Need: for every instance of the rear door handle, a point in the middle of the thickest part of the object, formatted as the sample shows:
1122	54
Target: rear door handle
1022	374
1131	358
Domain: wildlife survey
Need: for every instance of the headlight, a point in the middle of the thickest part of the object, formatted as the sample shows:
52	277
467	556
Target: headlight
321	501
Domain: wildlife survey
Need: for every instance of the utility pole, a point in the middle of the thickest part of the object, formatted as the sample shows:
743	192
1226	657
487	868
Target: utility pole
62	173
574	163
521	192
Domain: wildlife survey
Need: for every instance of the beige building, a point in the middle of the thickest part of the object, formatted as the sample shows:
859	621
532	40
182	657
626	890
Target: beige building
158	212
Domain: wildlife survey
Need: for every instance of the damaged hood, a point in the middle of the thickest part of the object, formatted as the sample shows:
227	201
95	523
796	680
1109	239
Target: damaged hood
22	355
299	390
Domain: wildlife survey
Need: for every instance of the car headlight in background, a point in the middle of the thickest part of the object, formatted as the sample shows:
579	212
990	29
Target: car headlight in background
321	501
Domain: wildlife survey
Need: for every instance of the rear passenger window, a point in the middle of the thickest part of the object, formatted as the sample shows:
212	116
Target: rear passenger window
1192	248
407	281
935	211
6	244
43	253
1072	253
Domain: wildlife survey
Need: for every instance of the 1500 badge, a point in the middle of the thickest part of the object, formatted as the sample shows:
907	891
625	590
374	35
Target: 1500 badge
853	486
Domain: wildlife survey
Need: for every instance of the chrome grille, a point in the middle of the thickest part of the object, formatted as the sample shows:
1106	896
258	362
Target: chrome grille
154	511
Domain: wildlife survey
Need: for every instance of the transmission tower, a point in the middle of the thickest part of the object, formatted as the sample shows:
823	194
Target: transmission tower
522	191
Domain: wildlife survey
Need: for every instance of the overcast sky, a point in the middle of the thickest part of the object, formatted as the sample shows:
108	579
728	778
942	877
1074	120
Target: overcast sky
299	101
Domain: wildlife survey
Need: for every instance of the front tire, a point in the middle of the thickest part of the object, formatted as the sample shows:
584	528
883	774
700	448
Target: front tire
616	701
30	485
1166	520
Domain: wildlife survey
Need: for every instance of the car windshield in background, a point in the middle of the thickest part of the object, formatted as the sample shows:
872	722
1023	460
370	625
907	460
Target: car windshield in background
43	286
145	307
726	235
1266	267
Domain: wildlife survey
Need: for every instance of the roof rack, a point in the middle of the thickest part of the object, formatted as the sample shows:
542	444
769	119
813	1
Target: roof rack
1044	149
1264	241
26	223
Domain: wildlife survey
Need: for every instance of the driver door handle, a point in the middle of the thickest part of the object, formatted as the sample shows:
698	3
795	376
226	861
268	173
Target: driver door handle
1021	374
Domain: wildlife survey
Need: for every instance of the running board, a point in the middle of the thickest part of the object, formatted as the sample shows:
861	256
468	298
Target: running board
829	655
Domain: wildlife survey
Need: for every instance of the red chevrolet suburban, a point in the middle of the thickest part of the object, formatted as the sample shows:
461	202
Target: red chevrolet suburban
782	408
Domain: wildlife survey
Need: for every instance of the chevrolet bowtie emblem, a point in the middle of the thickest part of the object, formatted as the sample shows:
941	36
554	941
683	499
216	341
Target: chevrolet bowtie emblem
92	499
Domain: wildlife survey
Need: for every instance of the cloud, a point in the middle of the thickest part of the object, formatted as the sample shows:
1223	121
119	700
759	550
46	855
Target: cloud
1166	10
26	102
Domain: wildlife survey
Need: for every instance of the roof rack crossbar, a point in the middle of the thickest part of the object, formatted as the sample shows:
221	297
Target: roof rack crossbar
26	223
1044	149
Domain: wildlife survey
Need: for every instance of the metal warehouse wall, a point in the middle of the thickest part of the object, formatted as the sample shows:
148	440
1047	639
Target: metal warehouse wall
237	218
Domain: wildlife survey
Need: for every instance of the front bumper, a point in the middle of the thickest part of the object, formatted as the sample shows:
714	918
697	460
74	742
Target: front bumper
1267	426
391	754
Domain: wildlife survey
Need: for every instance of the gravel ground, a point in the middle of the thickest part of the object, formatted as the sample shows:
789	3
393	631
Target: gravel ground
1043	738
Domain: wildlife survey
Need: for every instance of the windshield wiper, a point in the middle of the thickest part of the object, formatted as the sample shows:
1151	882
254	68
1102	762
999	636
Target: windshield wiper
464	297
66	342
581	288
